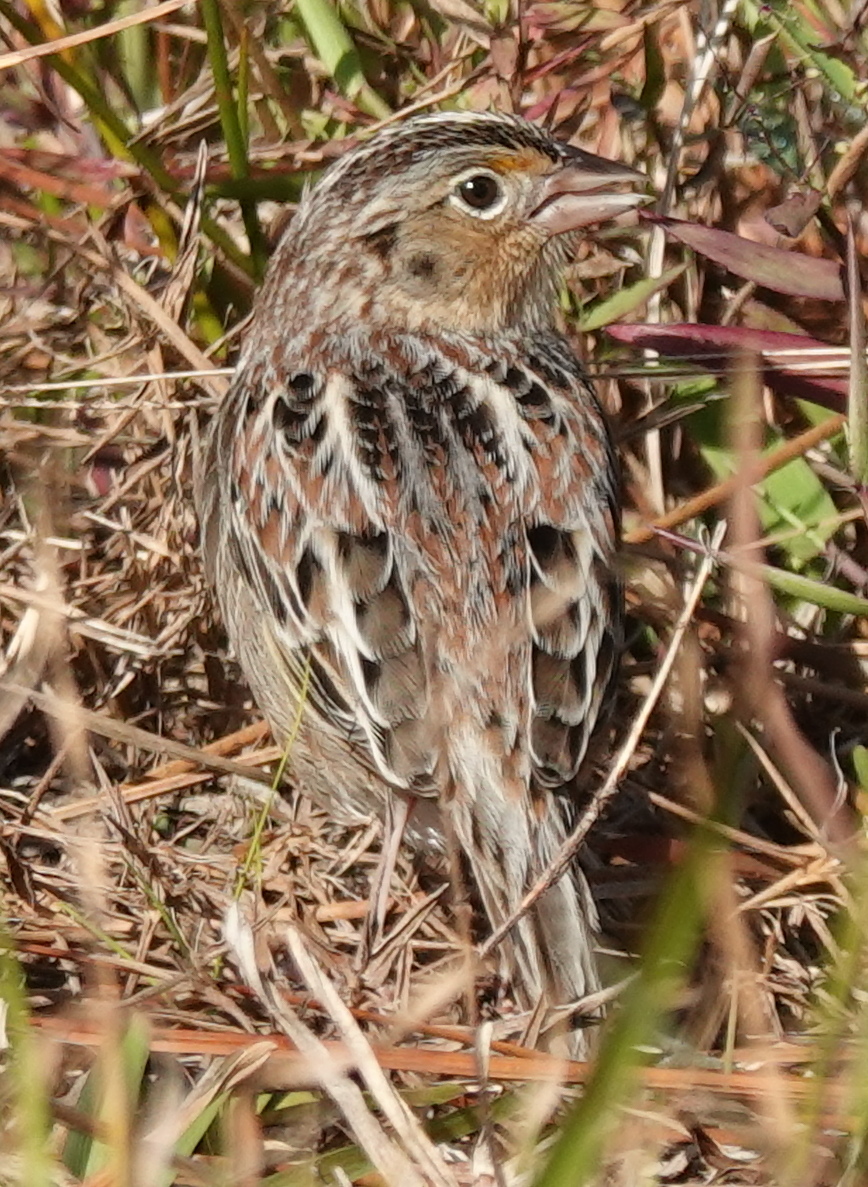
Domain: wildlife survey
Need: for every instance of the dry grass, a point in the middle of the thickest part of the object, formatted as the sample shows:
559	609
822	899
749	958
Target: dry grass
187	994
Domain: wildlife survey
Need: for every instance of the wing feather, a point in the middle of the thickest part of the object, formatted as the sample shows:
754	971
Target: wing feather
393	509
574	594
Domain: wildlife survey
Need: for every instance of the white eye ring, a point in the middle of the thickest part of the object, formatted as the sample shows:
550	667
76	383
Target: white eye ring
479	192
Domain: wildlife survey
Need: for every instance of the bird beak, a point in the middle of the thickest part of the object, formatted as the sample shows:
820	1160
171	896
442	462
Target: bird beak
585	190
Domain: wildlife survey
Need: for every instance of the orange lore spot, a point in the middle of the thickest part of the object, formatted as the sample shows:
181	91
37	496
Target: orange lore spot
526	159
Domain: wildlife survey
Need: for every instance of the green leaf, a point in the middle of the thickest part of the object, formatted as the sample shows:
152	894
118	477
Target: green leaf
794	507
83	1154
860	765
818	593
857	403
671	939
655	68
236	142
802	40
335	49
627	299
196	1130
24	1091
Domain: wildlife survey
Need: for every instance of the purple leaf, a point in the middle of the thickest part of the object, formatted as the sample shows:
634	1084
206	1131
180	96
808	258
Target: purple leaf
781	356
789	272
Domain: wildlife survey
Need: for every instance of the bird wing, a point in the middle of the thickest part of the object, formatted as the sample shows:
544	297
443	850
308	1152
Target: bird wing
311	532
571	535
399	505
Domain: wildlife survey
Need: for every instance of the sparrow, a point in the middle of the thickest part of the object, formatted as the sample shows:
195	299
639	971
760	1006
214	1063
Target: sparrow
409	510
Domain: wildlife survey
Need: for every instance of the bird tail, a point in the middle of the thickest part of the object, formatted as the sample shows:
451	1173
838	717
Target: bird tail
549	953
565	921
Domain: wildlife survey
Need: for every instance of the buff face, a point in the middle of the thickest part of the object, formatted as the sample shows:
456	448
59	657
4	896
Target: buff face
466	230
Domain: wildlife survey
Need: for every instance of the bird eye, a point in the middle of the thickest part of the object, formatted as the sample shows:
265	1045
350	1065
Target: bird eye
481	193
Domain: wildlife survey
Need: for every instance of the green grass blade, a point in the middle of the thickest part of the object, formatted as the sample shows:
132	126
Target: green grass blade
134	55
236	144
117	135
857	396
665	962
627	299
802	40
860	765
818	593
335	49
25	1072
111	1098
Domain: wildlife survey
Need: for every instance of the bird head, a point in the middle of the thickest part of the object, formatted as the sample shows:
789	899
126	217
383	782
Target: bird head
451	222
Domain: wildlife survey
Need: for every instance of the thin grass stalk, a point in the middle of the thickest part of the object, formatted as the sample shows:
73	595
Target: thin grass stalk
662	969
134	52
758	697
805	589
254	849
112	127
857	396
236	144
846	975
242	85
857	1169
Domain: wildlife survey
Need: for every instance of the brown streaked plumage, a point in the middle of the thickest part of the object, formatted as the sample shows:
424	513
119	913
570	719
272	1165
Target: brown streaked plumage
409	506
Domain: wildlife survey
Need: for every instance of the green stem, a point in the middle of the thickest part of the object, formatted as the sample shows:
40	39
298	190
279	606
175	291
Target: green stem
236	146
335	49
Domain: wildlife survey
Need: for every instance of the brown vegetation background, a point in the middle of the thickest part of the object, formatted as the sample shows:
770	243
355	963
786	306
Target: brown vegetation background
184	997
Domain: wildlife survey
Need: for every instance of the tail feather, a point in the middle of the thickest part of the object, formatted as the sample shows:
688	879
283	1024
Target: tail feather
549	954
566	920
